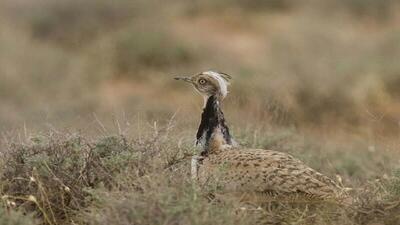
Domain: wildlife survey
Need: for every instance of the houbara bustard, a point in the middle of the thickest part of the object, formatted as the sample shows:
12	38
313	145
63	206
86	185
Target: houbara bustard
249	173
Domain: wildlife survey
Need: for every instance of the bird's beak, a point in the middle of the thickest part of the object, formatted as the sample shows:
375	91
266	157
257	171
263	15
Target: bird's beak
186	79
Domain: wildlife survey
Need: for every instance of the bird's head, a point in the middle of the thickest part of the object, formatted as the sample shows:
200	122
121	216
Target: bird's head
209	83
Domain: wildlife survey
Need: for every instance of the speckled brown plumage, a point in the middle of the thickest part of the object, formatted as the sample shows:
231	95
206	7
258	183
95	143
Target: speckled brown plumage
250	174
266	174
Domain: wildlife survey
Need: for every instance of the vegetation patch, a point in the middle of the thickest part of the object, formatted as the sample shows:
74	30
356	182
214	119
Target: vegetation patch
69	179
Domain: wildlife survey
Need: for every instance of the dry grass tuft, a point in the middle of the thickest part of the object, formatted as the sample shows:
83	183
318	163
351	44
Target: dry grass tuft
66	178
54	175
12	217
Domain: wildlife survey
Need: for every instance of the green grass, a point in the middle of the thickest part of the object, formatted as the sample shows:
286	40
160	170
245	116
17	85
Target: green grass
62	178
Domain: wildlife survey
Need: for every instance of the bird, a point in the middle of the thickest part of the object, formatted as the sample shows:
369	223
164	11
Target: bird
251	174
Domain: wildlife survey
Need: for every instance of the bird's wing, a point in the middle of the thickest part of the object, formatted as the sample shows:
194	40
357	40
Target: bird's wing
267	171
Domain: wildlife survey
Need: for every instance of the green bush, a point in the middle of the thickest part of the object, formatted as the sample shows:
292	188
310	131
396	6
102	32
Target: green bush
164	200
394	185
12	217
57	175
142	48
74	23
53	175
370	8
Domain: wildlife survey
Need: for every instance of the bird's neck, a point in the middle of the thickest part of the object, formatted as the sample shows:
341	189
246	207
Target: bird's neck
213	133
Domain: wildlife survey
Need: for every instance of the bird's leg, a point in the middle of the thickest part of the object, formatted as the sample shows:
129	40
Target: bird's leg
196	160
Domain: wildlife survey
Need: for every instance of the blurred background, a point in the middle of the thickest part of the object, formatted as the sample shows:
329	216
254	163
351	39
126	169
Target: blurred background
327	66
88	102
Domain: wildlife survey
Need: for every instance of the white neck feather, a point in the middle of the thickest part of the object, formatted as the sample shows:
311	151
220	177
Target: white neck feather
223	84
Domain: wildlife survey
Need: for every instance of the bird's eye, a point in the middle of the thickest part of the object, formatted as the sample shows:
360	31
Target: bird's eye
202	81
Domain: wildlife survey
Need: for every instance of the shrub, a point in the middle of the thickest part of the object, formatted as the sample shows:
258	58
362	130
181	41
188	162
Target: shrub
142	48
53	175
74	23
11	217
394	185
56	175
165	200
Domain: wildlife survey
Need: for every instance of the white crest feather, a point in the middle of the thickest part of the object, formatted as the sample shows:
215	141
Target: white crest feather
223	84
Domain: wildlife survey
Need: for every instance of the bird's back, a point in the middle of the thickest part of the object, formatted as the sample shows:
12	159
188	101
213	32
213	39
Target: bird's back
266	172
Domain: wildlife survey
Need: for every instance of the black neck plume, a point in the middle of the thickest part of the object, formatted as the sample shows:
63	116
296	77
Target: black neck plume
212	119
